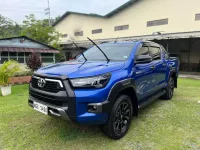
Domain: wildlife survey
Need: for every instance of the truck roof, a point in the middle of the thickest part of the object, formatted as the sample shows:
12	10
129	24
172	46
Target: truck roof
131	42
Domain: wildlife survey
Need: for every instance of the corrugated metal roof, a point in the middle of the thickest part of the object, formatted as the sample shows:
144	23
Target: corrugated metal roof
180	35
25	37
120	8
17	49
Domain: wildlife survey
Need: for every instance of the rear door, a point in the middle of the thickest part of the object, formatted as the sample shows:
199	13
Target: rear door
159	66
144	79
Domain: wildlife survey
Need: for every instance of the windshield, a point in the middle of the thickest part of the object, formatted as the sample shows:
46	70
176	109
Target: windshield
118	52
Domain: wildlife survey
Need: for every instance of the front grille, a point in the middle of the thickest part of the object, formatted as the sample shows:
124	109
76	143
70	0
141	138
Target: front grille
45	98
50	86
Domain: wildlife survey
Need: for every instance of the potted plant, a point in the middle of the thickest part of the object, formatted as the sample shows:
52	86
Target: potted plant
7	70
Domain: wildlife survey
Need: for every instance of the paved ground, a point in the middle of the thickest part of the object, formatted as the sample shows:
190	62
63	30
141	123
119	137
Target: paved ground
191	75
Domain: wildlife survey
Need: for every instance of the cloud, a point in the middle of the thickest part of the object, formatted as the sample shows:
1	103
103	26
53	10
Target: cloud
17	9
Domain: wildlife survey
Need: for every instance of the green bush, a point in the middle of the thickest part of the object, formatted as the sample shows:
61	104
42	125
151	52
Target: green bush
7	70
60	57
23	73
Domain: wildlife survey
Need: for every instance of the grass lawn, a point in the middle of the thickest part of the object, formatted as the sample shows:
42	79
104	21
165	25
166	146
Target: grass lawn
166	125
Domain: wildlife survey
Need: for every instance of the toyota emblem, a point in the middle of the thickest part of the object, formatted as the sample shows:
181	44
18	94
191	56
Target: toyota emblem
41	82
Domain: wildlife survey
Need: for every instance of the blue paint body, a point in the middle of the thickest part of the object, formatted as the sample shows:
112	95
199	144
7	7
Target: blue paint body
147	81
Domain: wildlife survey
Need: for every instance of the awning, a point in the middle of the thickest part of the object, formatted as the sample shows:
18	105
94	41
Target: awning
28	50
164	36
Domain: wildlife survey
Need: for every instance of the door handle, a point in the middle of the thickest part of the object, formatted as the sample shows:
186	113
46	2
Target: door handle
164	65
152	67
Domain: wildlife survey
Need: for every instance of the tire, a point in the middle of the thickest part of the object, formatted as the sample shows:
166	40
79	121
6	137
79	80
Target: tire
120	118
169	90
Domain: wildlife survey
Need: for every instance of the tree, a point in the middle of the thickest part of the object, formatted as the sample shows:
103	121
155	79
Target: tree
34	61
8	28
55	19
40	31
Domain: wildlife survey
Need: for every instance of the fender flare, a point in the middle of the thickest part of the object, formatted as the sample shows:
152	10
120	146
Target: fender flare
176	76
115	90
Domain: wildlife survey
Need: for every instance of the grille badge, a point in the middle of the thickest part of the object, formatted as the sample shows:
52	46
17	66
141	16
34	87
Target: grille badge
41	82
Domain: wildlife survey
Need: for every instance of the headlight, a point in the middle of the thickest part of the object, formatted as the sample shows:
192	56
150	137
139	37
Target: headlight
97	81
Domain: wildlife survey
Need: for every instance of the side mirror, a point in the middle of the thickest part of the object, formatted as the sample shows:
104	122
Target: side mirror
141	59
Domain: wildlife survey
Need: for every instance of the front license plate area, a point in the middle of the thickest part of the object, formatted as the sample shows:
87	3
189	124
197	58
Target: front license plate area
40	107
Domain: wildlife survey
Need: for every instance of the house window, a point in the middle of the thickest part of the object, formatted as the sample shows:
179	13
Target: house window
123	27
26	56
47	57
13	56
197	17
4	57
79	33
96	31
21	57
157	22
64	35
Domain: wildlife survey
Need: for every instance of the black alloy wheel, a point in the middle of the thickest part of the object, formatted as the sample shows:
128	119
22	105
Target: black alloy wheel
120	118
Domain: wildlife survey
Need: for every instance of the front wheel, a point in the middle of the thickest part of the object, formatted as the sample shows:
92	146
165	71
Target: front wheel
169	90
120	118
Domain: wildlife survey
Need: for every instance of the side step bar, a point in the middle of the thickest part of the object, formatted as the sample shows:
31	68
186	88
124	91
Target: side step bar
150	99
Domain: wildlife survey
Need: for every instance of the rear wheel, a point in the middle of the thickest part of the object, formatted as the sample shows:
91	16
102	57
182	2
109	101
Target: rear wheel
120	118
169	90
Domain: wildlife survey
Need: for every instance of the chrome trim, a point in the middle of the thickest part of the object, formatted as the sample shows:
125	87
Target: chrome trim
62	110
52	80
53	113
114	86
36	77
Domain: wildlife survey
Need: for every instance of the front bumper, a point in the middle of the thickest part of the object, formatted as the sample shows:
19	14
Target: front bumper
95	115
53	111
80	107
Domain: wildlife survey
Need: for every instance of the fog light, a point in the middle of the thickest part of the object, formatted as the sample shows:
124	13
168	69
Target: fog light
95	107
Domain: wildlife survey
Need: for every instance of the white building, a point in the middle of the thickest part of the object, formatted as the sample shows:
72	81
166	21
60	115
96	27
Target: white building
173	23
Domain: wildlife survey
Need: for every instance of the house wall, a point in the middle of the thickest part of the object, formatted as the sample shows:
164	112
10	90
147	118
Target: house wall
181	15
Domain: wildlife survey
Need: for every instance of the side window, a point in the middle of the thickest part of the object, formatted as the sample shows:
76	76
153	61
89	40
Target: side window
144	50
166	55
155	53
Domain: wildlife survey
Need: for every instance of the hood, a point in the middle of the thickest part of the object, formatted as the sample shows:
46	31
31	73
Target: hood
75	69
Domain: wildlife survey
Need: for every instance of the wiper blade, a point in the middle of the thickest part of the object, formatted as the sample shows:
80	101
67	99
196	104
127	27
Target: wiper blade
81	50
99	49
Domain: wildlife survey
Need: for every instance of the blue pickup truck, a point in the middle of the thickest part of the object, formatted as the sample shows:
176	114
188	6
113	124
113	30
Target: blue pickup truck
106	85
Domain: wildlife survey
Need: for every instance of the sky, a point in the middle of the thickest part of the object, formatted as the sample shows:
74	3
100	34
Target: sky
16	10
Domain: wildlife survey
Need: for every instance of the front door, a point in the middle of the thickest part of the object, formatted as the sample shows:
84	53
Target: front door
144	80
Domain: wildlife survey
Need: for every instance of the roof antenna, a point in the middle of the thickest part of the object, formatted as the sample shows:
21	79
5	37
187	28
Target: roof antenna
116	40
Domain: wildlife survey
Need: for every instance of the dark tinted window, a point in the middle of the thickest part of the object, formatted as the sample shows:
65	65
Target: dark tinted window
20	60
157	22
27	54
21	54
47	60
47	54
197	17
118	52
64	36
164	51
143	51
13	56
78	33
96	31
3	59
4	54
124	27
155	52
